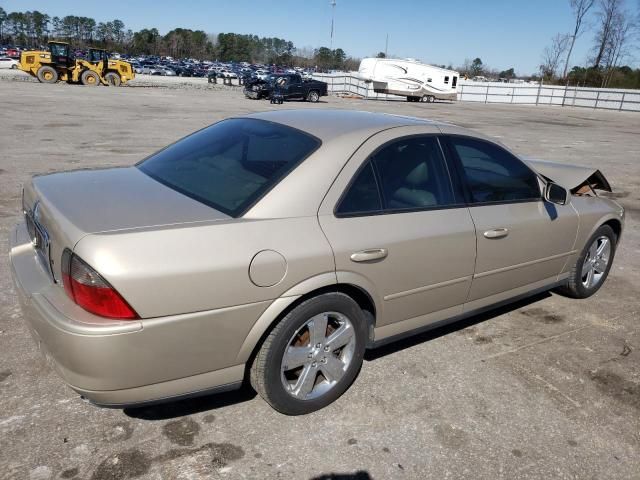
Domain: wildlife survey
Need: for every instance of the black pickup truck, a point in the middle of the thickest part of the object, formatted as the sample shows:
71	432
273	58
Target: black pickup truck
289	85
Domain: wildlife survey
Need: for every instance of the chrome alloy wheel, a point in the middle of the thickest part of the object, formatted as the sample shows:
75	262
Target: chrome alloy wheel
318	355
596	262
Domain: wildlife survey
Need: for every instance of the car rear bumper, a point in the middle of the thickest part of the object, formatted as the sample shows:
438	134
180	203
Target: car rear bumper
119	363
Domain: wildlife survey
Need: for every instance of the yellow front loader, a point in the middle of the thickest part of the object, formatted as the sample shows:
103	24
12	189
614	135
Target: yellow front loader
113	72
59	64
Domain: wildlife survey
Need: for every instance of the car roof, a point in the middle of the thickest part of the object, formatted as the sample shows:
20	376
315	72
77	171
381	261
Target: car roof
328	124
342	133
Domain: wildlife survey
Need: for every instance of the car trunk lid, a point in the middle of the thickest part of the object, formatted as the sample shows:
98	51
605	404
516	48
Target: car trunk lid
62	208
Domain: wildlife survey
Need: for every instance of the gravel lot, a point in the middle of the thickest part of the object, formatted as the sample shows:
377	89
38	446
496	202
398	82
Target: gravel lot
548	388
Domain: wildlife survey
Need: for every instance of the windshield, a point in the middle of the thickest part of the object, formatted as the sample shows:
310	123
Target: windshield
230	164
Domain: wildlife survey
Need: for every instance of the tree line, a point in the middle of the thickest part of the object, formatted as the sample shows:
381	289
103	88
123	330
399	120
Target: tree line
32	29
615	34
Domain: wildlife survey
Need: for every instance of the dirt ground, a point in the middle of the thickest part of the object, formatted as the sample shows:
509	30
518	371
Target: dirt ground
547	388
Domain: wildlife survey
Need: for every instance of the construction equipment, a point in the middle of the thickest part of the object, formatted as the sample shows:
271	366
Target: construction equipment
113	72
59	63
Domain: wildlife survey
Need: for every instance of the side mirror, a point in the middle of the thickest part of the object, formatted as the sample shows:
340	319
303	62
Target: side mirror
554	193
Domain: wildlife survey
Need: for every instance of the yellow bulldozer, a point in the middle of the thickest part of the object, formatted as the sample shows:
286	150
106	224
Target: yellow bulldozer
58	63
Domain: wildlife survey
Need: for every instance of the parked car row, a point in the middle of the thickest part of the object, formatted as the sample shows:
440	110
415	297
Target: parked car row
186	67
10	51
152	65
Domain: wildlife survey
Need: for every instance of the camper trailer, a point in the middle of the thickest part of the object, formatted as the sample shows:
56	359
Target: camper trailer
409	78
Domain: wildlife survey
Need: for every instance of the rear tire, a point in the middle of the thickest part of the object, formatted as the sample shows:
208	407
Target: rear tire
324	364
47	74
313	96
113	79
592	266
90	78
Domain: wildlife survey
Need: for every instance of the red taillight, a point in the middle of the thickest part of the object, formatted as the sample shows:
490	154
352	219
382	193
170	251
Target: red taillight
88	289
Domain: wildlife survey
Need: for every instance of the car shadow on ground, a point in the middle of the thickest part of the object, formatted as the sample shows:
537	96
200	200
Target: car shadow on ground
359	475
190	406
297	102
437	332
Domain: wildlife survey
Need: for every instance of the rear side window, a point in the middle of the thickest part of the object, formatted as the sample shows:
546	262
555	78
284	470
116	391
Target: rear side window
230	164
405	175
363	195
413	174
493	174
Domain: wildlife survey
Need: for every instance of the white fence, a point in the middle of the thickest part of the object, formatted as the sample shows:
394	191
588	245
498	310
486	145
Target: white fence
494	92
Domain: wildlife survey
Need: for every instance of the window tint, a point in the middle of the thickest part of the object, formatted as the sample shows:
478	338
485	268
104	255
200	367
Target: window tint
446	79
363	195
231	164
493	174
412	174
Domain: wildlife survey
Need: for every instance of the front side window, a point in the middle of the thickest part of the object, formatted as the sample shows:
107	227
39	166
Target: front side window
230	164
493	174
58	50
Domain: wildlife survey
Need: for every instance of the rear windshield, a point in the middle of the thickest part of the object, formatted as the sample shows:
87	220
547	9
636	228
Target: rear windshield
230	164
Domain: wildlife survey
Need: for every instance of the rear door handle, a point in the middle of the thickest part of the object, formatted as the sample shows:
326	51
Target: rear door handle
496	233
369	255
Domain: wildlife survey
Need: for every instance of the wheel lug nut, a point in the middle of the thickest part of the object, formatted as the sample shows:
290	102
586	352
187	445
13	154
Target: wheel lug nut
318	345
326	349
310	355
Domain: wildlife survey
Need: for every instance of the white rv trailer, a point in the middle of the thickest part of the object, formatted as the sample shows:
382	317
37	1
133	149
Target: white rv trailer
409	78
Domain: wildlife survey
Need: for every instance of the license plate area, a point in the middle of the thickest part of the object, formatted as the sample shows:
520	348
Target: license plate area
40	241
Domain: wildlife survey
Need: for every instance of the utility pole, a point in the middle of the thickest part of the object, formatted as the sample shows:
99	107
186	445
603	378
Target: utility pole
333	12
386	47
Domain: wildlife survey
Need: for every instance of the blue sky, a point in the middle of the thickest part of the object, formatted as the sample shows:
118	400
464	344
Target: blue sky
503	33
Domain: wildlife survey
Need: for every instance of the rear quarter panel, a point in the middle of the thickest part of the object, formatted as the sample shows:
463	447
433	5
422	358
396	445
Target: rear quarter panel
202	267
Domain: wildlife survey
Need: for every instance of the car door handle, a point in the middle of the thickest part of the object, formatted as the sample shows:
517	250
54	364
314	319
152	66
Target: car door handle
496	233
369	255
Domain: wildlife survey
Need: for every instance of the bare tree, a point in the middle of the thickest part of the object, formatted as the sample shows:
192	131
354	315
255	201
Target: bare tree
622	30
551	55
580	9
606	16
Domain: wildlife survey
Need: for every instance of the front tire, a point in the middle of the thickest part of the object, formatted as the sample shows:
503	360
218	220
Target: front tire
592	266
47	74
312	355
90	78
113	79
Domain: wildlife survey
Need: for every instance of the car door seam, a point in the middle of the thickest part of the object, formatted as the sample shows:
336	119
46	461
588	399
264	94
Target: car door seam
426	288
